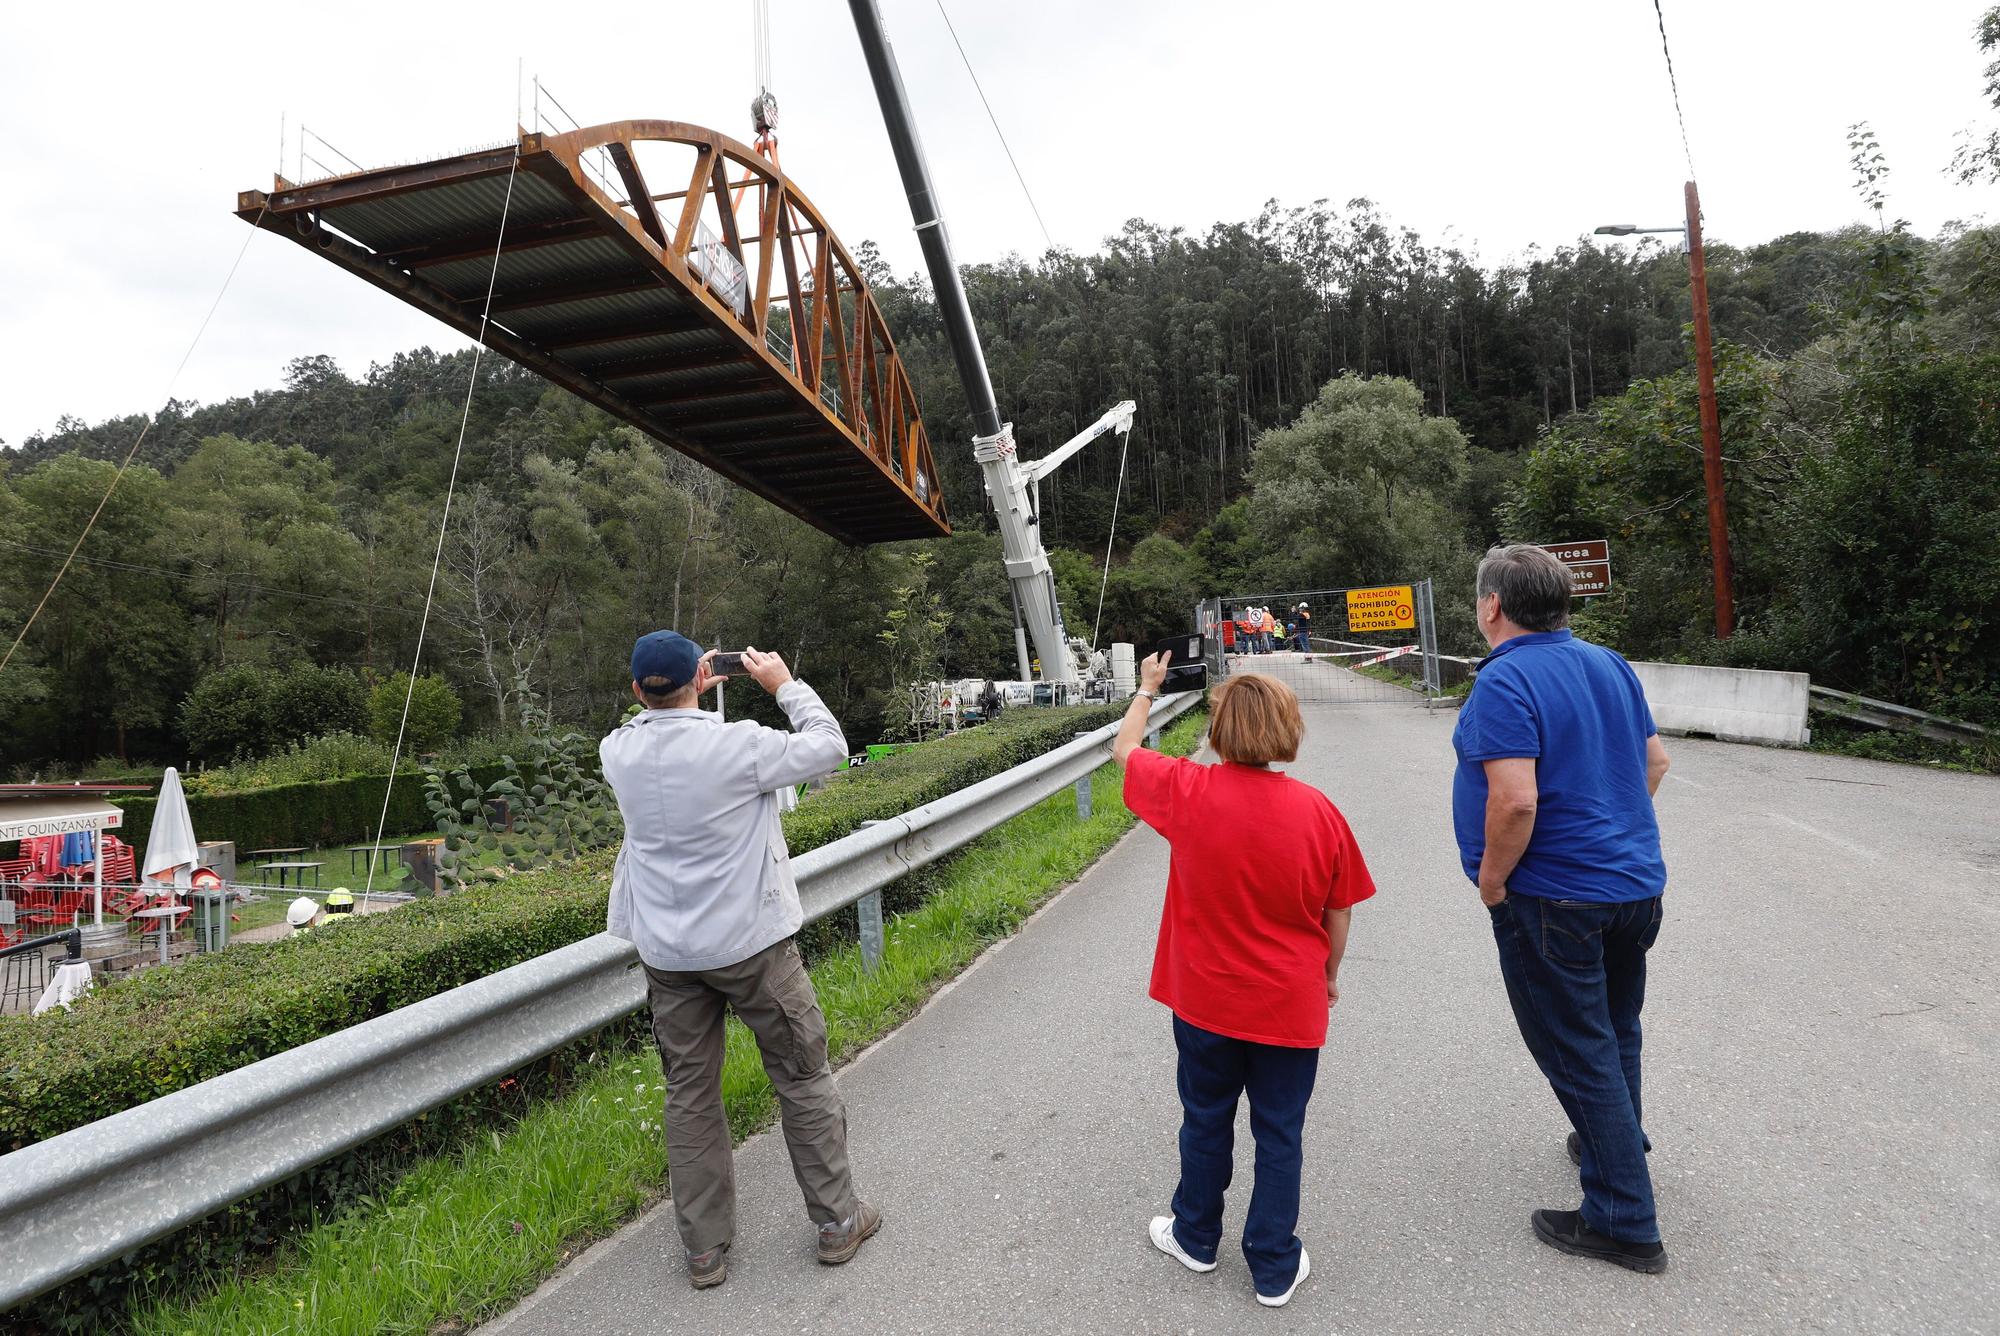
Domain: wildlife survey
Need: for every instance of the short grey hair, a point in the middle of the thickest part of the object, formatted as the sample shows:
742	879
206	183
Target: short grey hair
661	694
1534	587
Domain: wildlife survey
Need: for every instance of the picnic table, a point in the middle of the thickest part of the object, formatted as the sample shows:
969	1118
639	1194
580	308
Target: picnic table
374	852
284	867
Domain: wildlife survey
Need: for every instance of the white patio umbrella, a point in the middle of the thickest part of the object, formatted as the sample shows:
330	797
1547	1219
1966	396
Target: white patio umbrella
170	848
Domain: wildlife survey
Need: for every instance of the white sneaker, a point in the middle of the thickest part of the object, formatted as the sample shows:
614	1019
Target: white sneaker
1163	1238
1280	1300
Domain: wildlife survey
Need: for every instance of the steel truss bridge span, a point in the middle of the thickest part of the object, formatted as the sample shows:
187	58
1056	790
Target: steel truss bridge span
722	317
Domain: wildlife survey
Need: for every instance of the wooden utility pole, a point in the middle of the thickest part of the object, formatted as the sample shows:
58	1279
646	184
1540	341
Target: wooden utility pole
1711	426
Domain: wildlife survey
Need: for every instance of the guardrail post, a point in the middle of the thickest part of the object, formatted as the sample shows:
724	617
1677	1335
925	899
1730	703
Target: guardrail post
1083	798
869	909
1153	739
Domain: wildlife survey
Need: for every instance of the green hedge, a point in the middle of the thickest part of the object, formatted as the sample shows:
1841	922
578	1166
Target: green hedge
928	772
165	1029
311	816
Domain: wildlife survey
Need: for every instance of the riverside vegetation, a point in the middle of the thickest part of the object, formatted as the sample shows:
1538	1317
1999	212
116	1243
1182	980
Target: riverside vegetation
1325	399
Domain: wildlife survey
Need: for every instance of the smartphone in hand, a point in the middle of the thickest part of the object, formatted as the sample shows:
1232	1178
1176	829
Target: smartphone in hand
726	665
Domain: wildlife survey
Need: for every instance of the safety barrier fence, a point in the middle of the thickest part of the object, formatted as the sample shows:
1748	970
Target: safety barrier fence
1900	718
77	1200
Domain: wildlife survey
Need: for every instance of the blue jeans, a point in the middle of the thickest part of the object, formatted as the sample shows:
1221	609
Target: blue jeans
1576	976
1214	1071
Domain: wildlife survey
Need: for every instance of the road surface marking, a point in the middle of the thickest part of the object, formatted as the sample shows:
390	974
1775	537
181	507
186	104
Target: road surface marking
1849	845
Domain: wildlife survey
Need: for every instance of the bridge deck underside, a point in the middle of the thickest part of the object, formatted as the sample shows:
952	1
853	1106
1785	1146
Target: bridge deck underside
580	300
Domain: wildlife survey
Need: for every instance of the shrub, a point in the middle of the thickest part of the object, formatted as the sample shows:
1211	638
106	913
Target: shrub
327	812
434	712
310	702
944	765
168	1028
250	711
324	791
163	1029
333	756
228	714
556	803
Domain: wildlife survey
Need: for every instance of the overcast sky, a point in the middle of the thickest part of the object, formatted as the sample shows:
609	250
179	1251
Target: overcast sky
1500	127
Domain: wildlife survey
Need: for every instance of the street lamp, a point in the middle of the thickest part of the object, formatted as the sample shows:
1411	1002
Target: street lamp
1628	229
1711	418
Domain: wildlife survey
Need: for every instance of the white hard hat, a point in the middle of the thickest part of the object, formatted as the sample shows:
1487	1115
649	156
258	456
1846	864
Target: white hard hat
300	911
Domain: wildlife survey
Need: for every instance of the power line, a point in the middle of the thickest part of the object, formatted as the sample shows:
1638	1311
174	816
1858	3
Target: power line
996	126
1674	83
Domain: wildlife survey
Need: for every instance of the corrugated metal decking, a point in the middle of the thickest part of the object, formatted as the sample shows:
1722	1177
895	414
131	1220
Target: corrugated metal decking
630	305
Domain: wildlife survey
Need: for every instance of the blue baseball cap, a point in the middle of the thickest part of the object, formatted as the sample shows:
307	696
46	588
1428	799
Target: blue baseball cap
667	654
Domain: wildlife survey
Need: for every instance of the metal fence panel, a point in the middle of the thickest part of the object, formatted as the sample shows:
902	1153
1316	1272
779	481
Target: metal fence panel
82	1198
1324	669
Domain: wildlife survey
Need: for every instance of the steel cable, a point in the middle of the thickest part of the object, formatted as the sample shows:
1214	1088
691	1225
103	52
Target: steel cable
444	523
1111	538
996	126
166	400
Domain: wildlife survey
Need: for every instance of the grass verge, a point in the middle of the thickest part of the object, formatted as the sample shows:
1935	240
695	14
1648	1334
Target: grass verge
1839	737
462	1236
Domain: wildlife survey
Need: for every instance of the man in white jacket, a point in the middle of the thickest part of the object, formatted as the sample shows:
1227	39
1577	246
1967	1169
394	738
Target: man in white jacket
704	888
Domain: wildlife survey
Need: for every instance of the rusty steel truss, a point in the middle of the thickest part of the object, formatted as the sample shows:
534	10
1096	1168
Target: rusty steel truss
722	318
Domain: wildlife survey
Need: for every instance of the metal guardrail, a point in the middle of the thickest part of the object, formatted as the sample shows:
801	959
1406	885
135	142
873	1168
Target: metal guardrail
1901	718
86	1196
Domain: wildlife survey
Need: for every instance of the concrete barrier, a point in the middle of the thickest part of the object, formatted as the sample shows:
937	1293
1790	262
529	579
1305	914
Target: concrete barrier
1734	704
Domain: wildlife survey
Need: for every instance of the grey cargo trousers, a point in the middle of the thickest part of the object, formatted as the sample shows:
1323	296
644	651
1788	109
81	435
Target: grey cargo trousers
772	995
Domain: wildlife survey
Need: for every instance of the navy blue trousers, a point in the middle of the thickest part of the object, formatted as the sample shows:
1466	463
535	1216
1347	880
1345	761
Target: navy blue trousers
1576	977
1214	1071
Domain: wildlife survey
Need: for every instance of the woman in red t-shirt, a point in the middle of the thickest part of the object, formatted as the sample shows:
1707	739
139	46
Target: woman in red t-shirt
1248	959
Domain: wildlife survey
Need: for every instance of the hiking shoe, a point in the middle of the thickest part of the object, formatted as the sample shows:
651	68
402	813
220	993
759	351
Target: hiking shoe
1565	1232
710	1268
1162	1231
839	1242
1280	1300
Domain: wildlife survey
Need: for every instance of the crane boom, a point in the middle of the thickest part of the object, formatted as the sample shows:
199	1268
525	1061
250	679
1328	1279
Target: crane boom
1008	482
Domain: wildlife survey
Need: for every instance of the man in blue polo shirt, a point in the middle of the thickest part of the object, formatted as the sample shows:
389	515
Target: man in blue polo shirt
1558	762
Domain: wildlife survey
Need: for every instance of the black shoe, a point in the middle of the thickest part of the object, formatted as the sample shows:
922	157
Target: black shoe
1565	1232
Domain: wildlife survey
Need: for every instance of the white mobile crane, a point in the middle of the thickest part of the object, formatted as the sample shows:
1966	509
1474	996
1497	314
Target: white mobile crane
1012	486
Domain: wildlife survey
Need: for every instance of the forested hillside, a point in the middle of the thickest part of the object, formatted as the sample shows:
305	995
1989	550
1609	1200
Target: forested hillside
1324	398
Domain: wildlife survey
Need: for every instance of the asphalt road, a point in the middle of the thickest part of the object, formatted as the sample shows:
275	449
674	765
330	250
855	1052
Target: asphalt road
1823	1025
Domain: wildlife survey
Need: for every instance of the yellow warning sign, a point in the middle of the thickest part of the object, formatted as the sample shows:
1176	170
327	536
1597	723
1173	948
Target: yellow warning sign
1390	608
